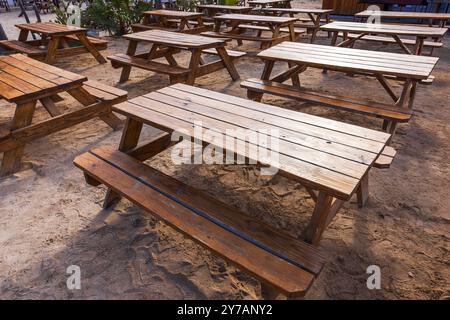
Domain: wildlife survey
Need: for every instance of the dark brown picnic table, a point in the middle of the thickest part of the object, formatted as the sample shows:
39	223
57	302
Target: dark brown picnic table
270	3
55	41
165	44
330	159
24	82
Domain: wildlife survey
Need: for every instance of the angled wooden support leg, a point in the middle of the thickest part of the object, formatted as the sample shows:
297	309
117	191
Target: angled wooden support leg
86	99
50	106
129	140
363	191
268	67
228	63
12	158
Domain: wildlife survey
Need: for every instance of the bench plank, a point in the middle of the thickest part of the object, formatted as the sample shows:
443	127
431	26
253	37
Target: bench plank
369	108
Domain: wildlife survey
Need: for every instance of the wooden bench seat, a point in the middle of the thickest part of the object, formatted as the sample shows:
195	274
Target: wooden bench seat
119	60
21	47
283	263
369	108
392	40
386	157
264	28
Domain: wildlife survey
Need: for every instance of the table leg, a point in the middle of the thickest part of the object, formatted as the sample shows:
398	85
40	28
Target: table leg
51	50
362	193
325	209
90	47
50	106
401	44
193	66
129	140
316	22
125	75
228	63
22	118
268	67
86	99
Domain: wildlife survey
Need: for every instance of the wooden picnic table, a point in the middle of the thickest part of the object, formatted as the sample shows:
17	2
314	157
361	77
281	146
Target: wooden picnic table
381	65
441	18
270	3
240	23
330	159
172	20
353	31
165	44
316	17
24	82
55	41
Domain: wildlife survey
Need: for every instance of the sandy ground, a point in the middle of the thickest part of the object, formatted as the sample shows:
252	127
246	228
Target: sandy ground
51	219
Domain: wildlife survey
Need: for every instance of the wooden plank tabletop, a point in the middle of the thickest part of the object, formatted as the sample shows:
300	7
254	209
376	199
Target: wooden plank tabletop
404	15
50	28
298	10
352	60
385	28
175	39
24	79
321	153
224	7
256	18
173	13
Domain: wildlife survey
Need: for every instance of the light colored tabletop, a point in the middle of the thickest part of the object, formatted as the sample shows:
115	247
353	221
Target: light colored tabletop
24	79
298	10
173	13
50	28
175	39
406	15
352	60
385	28
256	18
324	154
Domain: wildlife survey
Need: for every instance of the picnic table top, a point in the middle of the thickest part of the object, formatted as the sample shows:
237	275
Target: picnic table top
385	28
173	13
175	39
352	60
224	7
256	18
324	154
404	14
50	28
297	10
24	79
